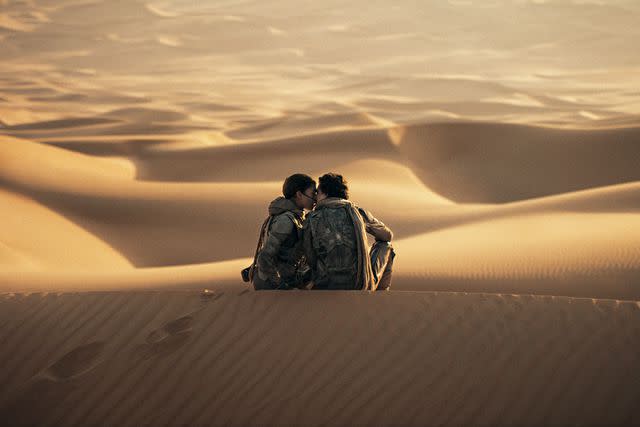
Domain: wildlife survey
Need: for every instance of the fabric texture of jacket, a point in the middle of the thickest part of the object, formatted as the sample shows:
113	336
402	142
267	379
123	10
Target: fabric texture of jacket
336	247
281	254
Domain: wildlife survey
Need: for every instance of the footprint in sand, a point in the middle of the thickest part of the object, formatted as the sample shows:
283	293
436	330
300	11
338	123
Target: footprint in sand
172	336
76	362
49	388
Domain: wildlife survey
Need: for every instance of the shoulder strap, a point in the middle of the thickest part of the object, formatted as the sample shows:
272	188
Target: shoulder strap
263	229
363	213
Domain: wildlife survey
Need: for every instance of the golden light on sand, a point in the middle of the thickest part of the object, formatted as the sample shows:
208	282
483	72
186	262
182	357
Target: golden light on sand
141	142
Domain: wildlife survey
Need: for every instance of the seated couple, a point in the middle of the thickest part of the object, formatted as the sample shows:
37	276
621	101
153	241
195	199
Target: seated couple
326	248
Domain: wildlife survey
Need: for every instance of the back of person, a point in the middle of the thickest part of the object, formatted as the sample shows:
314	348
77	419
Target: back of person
335	242
335	246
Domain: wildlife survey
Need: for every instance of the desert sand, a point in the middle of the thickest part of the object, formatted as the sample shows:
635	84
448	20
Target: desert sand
140	143
328	358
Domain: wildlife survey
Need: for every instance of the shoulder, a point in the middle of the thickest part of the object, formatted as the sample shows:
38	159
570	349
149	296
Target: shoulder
283	223
366	215
312	219
313	215
370	220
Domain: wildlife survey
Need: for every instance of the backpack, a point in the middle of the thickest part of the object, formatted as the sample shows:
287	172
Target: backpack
334	242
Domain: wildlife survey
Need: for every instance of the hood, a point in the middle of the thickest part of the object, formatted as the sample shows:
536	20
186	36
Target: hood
333	202
282	205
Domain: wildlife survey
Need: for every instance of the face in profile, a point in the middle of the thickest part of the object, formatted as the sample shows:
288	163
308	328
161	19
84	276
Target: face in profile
307	199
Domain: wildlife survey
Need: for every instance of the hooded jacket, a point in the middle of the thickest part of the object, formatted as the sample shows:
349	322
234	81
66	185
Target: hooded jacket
281	253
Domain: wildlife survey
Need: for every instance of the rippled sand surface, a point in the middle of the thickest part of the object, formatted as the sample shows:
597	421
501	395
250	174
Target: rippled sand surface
140	143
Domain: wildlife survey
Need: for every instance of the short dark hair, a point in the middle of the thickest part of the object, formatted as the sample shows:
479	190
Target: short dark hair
334	185
296	182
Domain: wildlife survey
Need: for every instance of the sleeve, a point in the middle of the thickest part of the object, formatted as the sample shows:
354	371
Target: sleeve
375	227
281	228
307	244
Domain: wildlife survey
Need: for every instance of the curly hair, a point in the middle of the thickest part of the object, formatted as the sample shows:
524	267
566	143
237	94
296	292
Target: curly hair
334	185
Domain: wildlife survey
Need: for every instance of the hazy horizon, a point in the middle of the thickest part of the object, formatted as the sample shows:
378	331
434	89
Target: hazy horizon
547	62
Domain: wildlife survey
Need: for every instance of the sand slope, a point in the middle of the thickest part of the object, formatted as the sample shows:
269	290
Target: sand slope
578	243
141	142
52	241
534	245
497	163
156	358
581	254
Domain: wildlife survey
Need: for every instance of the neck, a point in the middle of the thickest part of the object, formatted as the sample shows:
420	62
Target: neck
333	200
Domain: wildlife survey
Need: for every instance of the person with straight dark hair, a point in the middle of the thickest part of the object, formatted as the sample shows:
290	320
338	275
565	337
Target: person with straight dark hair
278	261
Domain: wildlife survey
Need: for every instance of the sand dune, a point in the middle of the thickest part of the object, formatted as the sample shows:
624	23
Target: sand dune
141	142
69	277
529	254
496	163
123	211
288	125
533	246
149	358
266	160
52	241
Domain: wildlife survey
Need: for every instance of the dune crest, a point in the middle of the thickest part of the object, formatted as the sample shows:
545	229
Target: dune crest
141	142
497	163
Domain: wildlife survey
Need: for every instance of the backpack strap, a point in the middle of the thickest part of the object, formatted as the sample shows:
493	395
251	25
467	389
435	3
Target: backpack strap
266	225
263	232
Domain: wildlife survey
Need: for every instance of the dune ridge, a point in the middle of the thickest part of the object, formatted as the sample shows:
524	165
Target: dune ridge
161	224
142	141
497	163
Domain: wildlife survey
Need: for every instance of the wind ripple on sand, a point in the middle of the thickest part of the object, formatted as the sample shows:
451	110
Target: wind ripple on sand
153	358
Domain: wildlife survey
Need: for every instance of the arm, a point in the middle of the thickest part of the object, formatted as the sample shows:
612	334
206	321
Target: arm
375	227
281	228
